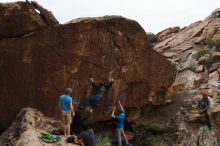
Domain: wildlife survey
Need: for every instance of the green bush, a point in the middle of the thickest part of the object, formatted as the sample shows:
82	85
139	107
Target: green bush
144	125
217	45
201	53
211	43
150	132
153	38
209	61
104	141
155	141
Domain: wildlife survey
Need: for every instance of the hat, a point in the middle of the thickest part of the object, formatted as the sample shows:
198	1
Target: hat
205	94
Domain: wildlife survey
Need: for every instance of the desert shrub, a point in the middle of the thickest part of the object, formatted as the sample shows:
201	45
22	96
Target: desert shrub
153	38
155	141
201	53
217	45
144	125
150	132
208	139
103	141
211	43
209	61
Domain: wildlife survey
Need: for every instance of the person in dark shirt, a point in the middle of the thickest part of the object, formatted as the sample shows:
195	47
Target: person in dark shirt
80	119
94	101
120	124
87	136
205	105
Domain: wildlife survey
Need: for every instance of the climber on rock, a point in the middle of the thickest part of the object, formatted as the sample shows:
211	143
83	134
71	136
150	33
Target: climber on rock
66	105
120	124
94	101
205	106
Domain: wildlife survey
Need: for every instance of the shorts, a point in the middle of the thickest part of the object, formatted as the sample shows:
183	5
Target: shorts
66	117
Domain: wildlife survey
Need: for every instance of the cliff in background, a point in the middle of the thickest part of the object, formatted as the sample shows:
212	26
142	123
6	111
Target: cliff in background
195	51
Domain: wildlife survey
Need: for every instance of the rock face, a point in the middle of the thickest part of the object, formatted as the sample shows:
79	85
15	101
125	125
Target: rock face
191	38
179	123
20	18
35	68
189	42
198	70
167	33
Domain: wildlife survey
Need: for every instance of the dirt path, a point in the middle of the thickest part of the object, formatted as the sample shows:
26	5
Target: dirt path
61	143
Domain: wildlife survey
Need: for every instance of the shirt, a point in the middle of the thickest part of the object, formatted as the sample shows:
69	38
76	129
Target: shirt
101	91
120	120
65	101
207	104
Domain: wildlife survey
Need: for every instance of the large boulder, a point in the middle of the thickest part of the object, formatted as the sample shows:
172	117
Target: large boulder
20	18
216	56
37	67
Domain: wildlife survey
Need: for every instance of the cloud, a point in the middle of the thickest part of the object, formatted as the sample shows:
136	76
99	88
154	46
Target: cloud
153	15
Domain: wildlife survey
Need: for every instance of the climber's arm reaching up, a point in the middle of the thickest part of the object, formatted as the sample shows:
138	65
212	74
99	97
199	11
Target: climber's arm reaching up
121	107
113	112
93	83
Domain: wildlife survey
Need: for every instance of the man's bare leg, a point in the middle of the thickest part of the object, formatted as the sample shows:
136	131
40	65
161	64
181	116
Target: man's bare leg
68	129
65	129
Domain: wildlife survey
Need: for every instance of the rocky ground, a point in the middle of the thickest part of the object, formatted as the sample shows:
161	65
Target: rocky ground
25	130
29	123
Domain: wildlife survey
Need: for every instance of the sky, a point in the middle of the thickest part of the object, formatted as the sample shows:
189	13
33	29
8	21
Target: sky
152	15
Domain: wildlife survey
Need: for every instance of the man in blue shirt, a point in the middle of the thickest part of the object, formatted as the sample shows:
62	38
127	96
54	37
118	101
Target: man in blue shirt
120	124
66	106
